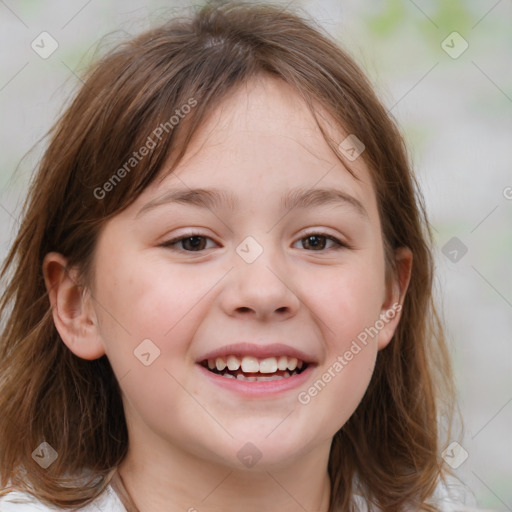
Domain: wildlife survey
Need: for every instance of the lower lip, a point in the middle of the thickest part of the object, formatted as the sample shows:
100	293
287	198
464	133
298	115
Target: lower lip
255	388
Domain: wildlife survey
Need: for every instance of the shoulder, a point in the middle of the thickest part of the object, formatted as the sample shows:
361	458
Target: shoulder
17	501
453	496
450	496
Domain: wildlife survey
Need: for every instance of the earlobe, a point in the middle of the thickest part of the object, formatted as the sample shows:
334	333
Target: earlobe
72	310
395	295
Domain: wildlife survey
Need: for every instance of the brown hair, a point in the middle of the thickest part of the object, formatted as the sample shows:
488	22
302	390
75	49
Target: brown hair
391	443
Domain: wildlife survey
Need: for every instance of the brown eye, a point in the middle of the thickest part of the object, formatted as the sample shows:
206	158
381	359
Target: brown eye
188	243
318	242
193	243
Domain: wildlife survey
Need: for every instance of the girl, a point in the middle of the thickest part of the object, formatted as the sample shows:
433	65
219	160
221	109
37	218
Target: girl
220	294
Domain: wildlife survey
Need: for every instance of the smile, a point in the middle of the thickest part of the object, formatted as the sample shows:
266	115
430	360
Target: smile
252	369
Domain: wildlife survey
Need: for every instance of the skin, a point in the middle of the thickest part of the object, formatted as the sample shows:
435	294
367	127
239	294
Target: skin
185	432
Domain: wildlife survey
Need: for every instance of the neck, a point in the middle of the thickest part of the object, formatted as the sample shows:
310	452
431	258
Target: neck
180	481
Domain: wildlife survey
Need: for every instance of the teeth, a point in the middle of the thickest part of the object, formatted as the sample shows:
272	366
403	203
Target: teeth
233	363
268	365
250	364
292	363
241	376
282	364
220	363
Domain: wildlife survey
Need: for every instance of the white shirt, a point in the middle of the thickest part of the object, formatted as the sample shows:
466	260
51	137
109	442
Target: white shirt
16	501
448	499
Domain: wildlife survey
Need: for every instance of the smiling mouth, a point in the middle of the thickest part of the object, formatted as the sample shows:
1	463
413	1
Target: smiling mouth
258	376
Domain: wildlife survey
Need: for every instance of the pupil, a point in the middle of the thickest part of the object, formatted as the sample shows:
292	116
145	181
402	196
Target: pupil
196	241
310	241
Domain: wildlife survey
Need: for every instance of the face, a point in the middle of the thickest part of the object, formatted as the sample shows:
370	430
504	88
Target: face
177	282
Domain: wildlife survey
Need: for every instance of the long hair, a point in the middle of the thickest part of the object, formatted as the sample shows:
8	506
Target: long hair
391	444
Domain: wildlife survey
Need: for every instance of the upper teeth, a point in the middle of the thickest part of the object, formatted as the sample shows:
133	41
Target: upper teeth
251	364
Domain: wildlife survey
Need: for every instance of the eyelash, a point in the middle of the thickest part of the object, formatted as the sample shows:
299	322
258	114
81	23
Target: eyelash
339	245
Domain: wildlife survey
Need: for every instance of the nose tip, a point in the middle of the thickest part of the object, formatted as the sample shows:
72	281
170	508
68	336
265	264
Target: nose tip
256	289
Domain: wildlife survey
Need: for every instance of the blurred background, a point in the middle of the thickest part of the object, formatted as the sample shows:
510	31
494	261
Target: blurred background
444	71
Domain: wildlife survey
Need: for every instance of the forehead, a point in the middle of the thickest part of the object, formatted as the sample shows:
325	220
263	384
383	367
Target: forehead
261	141
270	112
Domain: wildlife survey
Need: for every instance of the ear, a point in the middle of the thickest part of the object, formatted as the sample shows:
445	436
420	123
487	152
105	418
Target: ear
73	314
395	294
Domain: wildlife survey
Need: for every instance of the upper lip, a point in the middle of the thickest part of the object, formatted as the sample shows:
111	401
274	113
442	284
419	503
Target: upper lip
259	351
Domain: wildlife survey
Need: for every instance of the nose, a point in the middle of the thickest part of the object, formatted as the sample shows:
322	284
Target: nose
261	290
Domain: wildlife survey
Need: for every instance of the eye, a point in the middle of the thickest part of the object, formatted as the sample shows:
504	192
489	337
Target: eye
191	242
195	242
318	241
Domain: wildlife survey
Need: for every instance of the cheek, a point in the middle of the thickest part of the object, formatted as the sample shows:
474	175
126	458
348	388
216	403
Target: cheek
157	304
138	292
349	301
145	298
339	385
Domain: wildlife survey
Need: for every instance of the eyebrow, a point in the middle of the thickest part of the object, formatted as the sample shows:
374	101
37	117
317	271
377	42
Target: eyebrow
297	198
